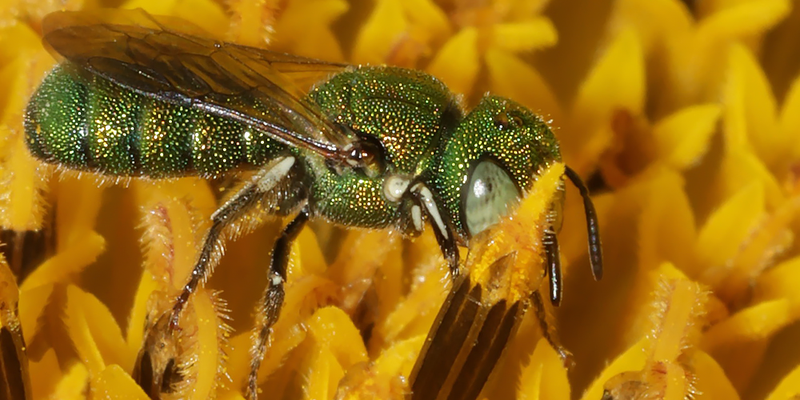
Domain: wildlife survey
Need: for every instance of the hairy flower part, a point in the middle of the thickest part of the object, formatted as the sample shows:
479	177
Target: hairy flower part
683	117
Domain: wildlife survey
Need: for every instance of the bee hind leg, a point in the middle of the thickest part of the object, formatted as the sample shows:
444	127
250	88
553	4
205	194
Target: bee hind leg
240	204
159	347
272	301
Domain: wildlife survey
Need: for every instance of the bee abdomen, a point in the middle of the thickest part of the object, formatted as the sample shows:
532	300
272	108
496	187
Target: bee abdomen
85	122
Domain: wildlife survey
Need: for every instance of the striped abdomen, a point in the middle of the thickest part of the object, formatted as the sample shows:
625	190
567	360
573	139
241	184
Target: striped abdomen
85	122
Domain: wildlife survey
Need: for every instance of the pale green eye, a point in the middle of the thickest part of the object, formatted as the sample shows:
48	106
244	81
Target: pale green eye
490	194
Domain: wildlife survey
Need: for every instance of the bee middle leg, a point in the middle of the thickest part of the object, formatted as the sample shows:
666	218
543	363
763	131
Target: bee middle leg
273	297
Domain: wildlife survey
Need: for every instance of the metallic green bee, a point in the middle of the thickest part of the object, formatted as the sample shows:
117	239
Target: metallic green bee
368	146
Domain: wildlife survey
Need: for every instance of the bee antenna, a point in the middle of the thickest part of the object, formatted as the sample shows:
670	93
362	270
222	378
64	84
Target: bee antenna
592	227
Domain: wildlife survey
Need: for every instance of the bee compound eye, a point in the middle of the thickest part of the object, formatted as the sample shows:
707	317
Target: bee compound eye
490	194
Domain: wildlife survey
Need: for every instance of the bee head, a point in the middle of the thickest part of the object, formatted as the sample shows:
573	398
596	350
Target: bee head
489	162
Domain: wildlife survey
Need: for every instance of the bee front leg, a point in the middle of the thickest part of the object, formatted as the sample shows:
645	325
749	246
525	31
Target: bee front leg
273	298
155	367
549	332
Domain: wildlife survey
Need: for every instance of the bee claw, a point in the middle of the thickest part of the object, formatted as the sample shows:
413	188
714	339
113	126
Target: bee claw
155	369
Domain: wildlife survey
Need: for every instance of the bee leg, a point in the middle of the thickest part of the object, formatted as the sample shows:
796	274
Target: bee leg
441	227
153	369
237	206
550	241
549	333
273	298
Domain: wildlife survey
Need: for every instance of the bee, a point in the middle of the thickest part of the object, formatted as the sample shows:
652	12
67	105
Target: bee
376	147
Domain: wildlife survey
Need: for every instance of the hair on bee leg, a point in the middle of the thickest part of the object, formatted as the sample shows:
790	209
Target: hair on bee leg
272	302
240	204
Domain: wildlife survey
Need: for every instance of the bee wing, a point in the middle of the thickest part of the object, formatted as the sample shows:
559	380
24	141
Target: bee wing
465	342
173	60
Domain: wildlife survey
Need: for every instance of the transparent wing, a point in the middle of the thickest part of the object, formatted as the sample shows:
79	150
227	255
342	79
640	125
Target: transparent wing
173	60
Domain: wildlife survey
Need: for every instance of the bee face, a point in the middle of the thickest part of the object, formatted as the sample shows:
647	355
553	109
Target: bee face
491	160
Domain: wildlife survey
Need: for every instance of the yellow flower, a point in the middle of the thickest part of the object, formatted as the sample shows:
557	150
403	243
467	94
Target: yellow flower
684	119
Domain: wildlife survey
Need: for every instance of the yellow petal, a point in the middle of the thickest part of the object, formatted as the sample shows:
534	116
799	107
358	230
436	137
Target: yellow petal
666	224
239	354
633	359
46	373
337	346
428	19
616	82
334	329
711	382
755	323
31	306
207	14
780	281
115	384
756	123
740	20
82	252
304	29
324	374
16	40
524	36
231	395
15	377
788	388
94	332
725	230
380	33
515	79
171	224
460	50
138	315
545	376
311	259
82	199
414	316
654	20
207	356
790	116
683	137
770	236
741	167
251	22
399	359
21	205
385	377
73	385
680	307
9	295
